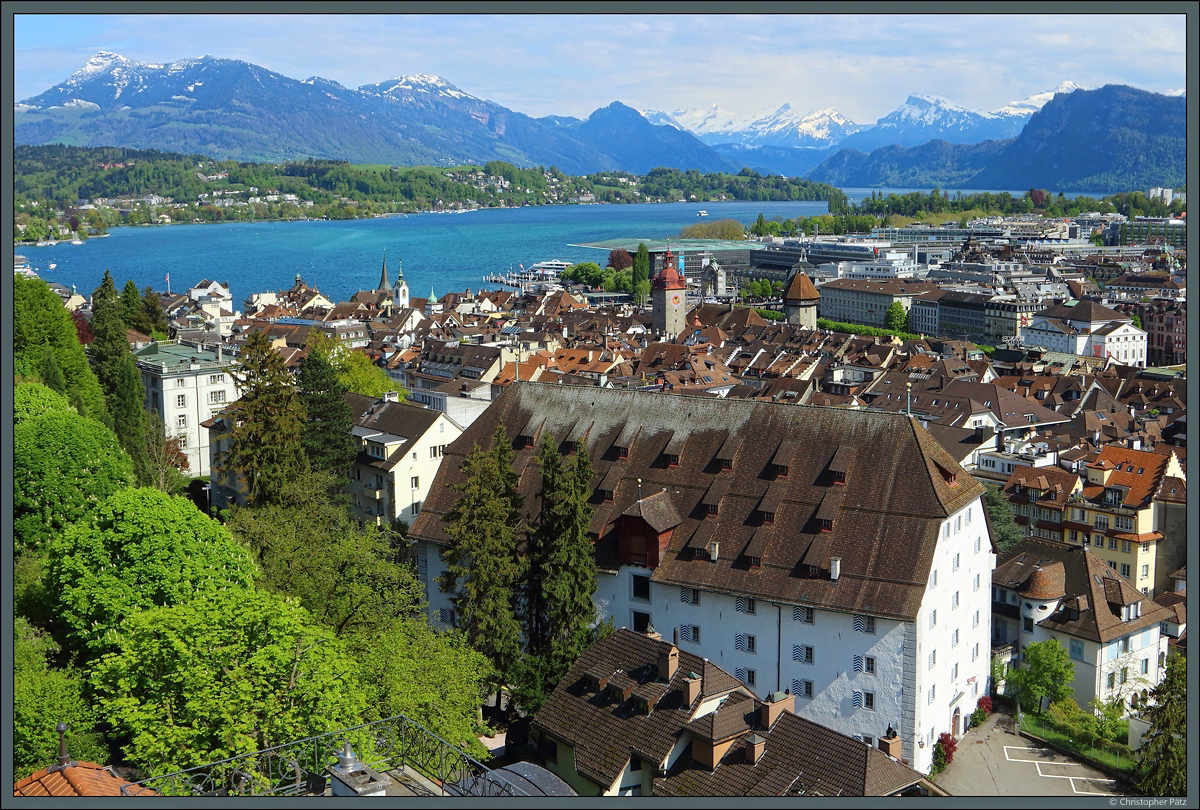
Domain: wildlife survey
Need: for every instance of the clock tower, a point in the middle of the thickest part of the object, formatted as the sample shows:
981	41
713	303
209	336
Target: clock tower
668	296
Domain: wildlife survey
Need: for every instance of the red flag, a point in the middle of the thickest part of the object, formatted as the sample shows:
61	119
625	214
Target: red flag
167	278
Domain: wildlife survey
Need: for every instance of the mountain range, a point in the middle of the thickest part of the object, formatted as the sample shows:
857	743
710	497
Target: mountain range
232	109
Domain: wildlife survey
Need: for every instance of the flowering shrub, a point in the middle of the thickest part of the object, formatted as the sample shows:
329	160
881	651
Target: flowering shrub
947	743
984	703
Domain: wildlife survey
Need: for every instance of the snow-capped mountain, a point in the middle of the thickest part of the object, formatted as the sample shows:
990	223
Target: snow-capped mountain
408	86
782	126
923	118
1028	106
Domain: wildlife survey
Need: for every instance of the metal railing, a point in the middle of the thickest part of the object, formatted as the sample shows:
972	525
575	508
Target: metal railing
430	765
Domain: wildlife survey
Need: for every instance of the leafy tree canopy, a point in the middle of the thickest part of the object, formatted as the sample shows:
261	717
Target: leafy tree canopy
1047	672
433	678
32	399
63	465
42	697
349	578
221	676
896	317
141	548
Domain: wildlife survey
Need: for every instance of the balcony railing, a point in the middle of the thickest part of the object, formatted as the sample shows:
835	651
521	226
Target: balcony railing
427	764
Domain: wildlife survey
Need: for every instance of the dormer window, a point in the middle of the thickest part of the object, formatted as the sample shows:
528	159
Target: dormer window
526	441
839	477
726	463
622	452
606	495
712	509
825	525
754	562
768	517
781	470
672	459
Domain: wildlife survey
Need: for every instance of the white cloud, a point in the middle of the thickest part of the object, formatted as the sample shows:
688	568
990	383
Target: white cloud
571	64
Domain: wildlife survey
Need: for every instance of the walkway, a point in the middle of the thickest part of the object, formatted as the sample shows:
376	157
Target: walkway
993	760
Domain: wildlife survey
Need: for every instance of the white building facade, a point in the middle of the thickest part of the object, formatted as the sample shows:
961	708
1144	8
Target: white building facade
185	386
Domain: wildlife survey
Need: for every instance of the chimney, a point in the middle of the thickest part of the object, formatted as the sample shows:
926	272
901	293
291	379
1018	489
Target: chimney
755	746
351	778
835	568
773	706
890	745
668	662
691	688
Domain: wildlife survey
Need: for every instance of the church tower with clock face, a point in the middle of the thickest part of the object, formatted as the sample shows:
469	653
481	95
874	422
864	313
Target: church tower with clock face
668	296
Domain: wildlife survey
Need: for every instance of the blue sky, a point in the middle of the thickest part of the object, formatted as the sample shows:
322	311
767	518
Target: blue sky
571	64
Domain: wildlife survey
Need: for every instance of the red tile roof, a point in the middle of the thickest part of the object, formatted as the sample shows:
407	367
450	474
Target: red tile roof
76	779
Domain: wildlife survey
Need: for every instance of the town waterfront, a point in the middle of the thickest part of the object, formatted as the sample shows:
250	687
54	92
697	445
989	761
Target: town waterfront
443	251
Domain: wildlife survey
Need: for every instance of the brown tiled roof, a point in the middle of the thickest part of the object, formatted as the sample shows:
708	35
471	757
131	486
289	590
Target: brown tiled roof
1089	584
1045	583
605	734
894	488
76	779
800	288
800	758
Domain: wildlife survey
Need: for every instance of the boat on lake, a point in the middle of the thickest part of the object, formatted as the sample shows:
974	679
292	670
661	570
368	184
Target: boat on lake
542	275
701	213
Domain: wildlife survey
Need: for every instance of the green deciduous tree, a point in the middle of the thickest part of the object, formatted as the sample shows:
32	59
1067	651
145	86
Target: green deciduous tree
896	317
63	465
32	399
217	677
265	446
361	376
348	577
436	679
483	569
1006	533
355	371
1162	759
140	549
42	697
327	440
1047	672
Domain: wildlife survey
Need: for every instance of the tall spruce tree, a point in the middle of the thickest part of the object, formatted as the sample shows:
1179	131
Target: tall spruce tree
483	569
42	326
153	316
266	448
1162	759
558	609
327	439
131	307
118	375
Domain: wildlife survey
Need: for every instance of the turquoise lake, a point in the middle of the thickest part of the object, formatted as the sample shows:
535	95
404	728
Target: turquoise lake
442	252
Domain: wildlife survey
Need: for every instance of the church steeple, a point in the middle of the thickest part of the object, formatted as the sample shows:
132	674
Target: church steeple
400	289
383	279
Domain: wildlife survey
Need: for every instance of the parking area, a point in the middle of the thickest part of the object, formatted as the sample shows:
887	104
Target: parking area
993	760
